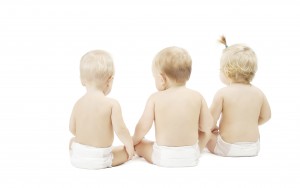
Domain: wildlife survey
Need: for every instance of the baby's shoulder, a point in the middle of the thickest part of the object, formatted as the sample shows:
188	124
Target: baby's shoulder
111	102
155	96
256	89
193	93
223	90
240	91
258	92
222	93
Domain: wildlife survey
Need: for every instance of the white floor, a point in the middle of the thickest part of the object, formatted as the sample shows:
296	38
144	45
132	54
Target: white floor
41	160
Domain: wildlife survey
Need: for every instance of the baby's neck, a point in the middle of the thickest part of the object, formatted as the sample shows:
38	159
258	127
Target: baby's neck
93	89
239	83
175	85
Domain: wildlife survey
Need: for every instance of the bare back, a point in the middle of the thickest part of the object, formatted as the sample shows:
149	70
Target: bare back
177	112
92	114
241	106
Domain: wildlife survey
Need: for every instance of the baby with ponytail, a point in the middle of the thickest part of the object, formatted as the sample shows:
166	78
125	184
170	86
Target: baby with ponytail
239	107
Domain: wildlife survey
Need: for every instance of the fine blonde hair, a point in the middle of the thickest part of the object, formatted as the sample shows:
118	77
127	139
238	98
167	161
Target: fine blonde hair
175	62
96	67
238	62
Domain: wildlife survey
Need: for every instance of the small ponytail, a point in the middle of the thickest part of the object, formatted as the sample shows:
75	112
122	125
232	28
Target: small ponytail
223	41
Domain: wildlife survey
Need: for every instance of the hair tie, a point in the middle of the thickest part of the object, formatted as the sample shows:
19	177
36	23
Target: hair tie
223	41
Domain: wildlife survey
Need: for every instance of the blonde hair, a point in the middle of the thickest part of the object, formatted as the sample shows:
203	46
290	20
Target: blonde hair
238	62
96	66
175	62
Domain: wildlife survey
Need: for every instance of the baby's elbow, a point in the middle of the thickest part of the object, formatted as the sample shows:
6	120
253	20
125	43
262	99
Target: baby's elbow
72	130
264	119
268	116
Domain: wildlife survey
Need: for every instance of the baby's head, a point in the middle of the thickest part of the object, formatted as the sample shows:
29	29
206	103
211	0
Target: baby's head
238	63
172	63
97	70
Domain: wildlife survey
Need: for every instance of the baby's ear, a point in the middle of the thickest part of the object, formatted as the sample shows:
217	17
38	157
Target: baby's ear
109	81
163	80
163	77
82	82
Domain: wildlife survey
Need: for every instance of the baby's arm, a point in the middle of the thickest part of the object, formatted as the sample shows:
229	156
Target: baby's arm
120	128
72	124
205	124
145	123
72	127
265	112
216	110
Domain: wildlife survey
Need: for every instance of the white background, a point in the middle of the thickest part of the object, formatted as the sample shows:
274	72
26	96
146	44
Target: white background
41	44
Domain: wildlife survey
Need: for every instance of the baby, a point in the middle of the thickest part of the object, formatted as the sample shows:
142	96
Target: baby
241	106
96	117
180	114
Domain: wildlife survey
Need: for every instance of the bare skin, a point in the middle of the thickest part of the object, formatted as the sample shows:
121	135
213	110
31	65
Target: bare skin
179	115
242	108
94	120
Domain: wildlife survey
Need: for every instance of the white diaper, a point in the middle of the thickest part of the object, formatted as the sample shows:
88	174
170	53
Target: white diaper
184	156
88	157
238	149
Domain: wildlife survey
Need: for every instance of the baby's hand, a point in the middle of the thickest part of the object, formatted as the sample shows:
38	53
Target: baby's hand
215	130
130	152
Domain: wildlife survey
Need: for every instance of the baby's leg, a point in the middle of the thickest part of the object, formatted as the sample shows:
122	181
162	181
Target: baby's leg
144	149
120	155
212	142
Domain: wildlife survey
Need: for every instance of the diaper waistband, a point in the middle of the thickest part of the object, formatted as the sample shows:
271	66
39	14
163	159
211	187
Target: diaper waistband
89	151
